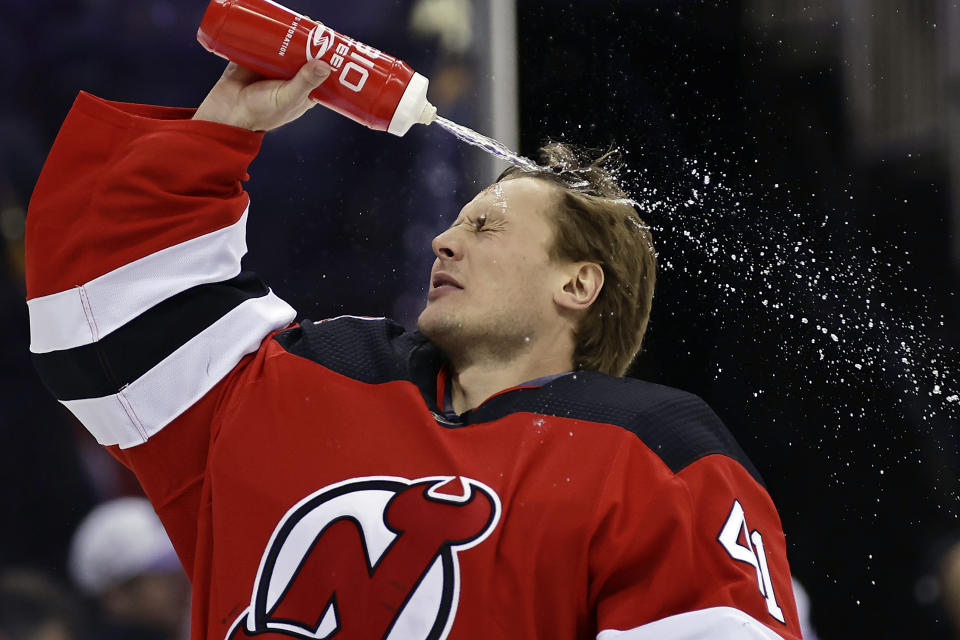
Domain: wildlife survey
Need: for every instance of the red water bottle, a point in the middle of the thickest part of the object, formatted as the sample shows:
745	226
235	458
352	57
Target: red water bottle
366	85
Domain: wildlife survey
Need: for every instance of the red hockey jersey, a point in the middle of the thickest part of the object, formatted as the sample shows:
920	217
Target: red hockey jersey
306	473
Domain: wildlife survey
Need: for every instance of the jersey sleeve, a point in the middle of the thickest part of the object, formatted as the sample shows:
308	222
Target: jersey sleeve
138	305
689	555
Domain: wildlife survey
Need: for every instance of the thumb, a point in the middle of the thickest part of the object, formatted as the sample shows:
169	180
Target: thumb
309	77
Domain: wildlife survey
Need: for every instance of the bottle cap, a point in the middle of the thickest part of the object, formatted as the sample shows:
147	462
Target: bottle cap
412	107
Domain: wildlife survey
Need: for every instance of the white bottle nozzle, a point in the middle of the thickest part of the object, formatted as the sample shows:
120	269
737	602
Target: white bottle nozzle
429	114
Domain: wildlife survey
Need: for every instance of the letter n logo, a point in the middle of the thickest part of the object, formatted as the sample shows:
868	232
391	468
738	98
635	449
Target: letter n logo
369	558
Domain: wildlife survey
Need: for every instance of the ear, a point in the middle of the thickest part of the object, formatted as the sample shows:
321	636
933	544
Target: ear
583	285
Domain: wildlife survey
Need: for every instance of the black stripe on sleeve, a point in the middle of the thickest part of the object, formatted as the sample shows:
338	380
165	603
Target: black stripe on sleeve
104	367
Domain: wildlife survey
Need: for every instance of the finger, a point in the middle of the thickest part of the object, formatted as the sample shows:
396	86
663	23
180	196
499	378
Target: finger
309	77
240	75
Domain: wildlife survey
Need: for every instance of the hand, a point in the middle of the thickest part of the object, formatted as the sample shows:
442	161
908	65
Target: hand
243	98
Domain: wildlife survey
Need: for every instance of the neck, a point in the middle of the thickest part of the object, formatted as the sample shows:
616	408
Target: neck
473	383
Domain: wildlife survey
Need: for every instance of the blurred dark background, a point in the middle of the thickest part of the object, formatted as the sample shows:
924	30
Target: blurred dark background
832	124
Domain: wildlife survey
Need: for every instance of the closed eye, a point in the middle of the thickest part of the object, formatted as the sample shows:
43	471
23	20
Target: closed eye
479	223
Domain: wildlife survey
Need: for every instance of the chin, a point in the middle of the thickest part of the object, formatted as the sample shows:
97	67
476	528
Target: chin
432	321
441	327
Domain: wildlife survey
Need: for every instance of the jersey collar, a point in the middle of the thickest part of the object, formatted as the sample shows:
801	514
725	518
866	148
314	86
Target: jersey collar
444	397
429	371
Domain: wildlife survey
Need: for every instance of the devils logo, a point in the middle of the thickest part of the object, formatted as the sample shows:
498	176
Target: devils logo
369	558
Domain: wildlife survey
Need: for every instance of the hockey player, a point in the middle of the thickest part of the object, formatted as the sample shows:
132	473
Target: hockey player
488	476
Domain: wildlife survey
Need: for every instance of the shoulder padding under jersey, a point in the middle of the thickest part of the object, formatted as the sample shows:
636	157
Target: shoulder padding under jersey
678	426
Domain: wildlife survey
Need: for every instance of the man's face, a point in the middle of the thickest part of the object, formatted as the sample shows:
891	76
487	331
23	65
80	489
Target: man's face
491	287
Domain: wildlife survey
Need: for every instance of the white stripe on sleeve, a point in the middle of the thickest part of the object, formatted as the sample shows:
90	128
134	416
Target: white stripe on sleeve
716	623
87	313
152	401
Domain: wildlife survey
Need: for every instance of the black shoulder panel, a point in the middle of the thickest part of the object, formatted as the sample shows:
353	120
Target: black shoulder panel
676	425
371	350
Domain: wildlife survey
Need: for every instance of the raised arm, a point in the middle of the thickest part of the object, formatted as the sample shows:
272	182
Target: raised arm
139	311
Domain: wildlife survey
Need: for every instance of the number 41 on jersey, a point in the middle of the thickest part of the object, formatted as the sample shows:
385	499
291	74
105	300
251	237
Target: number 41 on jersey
750	550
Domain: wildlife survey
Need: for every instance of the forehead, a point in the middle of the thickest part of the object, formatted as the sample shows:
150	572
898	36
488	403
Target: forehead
527	198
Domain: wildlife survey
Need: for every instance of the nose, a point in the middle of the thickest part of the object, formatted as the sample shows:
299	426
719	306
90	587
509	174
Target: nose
447	246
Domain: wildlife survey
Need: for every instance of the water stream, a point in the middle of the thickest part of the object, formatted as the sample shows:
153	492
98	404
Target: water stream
487	144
